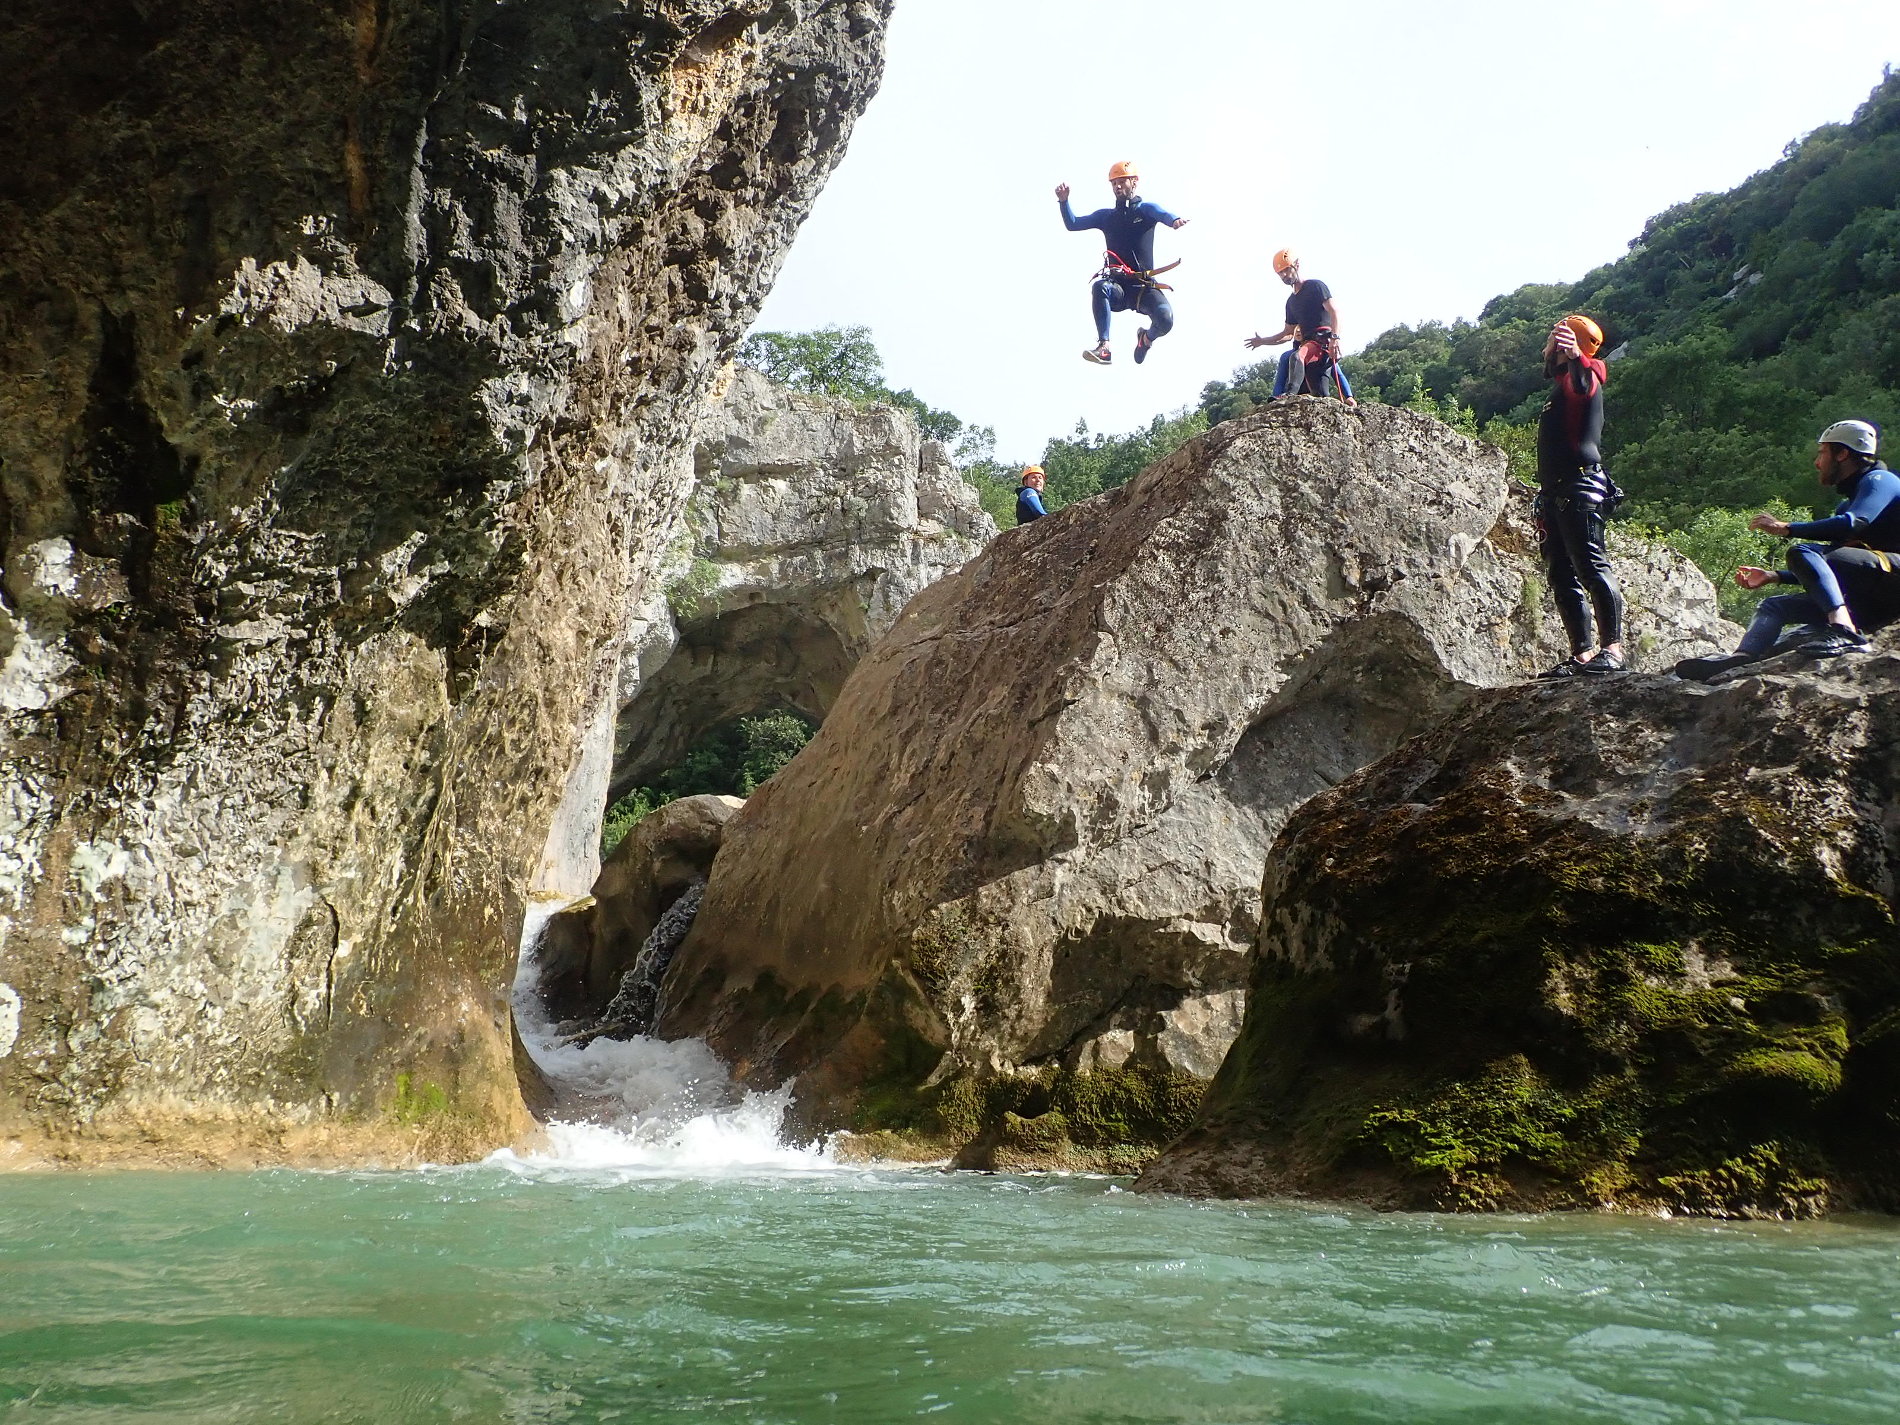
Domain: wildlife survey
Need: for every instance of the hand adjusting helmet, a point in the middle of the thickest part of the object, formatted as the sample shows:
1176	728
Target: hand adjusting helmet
1589	334
1857	436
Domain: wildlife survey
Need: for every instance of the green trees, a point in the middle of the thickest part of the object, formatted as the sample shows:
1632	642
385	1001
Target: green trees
1083	464
731	760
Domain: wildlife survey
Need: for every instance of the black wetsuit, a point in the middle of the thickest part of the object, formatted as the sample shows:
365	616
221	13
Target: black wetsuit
1028	504
1574	498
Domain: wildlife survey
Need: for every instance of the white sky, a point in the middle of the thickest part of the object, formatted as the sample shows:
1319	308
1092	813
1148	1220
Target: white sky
1422	157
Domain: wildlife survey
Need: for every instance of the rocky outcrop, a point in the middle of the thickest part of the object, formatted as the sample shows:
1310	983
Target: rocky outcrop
1017	871
351	355
586	947
1629	943
813	521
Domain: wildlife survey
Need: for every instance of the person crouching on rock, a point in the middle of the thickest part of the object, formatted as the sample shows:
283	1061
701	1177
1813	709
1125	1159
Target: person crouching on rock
1575	498
1850	581
1312	324
1127	279
1029	496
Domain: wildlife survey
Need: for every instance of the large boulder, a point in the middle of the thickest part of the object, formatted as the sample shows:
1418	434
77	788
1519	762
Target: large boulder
1018	868
587	946
352	352
1626	943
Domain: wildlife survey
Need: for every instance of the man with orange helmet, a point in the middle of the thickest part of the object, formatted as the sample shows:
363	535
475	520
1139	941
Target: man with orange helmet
1574	499
1312	325
1126	281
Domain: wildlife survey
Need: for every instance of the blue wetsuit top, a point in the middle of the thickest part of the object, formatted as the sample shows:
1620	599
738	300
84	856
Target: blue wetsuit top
1870	514
1128	229
1028	505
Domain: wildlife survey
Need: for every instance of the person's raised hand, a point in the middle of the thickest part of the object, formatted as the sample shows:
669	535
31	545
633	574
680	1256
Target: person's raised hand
1062	192
1178	223
1768	524
1565	338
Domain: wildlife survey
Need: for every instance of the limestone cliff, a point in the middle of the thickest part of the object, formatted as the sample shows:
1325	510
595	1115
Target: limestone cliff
1629	943
1024	851
813	521
350	354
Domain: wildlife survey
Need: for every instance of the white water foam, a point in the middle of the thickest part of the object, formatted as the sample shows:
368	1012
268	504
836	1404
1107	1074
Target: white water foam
653	1106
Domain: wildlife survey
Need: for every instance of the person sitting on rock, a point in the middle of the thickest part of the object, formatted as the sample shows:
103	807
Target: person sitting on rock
1029	496
1849	581
1312	325
1575	498
1127	279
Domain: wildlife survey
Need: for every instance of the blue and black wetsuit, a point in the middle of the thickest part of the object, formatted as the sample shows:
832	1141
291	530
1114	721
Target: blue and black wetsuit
1128	231
1573	500
1852	570
1028	504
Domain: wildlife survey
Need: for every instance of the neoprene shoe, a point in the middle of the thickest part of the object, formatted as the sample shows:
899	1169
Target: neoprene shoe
1603	663
1569	668
1142	342
1834	644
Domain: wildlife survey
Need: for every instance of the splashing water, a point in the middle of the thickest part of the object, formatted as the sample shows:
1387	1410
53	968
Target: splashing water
644	1105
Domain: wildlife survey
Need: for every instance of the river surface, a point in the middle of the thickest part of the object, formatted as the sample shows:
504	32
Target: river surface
673	1260
574	1290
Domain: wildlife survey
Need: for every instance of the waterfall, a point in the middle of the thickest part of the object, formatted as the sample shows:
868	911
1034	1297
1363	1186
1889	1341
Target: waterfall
638	997
645	1105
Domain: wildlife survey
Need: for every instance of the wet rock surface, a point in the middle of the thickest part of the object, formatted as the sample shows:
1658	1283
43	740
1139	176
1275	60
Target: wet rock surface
1024	851
1624	943
353	352
584	950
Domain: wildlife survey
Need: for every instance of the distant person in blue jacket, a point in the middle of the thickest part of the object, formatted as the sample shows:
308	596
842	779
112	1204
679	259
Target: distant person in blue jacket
1029	496
1127	279
1849	580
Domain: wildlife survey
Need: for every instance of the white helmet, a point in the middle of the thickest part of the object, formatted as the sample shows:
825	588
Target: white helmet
1855	435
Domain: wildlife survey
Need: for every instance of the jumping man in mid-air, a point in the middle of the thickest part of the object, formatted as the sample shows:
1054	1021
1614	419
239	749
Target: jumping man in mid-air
1127	279
1312	325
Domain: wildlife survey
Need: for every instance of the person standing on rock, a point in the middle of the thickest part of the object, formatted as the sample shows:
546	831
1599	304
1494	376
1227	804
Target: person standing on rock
1029	496
1575	498
1127	279
1312	325
1849	581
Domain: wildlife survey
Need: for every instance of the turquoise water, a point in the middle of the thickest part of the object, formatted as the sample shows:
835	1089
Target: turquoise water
516	1292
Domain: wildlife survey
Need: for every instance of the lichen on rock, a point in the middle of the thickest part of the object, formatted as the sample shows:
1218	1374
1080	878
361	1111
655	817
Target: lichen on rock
1629	943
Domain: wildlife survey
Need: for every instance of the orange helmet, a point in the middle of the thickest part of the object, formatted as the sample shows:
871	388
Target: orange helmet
1124	169
1029	470
1285	258
1589	334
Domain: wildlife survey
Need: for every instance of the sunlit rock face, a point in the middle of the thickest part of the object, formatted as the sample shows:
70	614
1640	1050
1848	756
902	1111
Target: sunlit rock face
353	352
1630	943
813	521
1029	837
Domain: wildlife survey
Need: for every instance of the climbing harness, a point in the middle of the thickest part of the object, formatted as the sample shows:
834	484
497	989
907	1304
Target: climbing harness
1115	270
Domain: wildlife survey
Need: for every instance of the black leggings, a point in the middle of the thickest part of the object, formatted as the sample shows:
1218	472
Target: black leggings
1570	536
